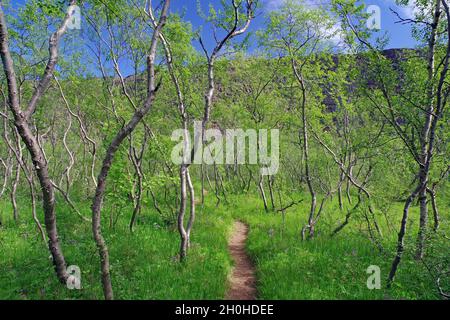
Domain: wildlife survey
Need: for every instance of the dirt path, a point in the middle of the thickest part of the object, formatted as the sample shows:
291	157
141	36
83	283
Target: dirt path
243	280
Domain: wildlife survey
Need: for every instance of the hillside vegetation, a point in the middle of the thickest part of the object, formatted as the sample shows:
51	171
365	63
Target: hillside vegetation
342	165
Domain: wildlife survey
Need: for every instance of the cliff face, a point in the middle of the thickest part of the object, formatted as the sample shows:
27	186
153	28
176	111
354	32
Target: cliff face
395	56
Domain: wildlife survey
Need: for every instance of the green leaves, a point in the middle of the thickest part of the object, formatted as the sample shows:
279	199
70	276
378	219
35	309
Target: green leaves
179	35
51	8
296	29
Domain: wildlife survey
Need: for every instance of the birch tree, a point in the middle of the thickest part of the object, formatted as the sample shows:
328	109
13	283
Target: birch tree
127	129
22	120
233	23
297	33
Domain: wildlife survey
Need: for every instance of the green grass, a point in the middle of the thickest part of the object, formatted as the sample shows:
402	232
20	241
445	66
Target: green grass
329	267
144	264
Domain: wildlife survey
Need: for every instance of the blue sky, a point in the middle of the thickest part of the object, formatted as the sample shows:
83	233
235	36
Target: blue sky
400	35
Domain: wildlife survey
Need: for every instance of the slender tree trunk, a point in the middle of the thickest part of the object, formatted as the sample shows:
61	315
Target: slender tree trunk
347	188
192	207
8	164
137	163
425	134
341	205
8	169
21	121
270	180
13	194
207	113
263	194
33	207
312	210
211	59
427	138
182	213
401	235
435	209
423	222
339	189
111	151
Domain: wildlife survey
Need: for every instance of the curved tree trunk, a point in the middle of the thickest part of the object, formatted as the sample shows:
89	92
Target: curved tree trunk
22	123
111	151
312	210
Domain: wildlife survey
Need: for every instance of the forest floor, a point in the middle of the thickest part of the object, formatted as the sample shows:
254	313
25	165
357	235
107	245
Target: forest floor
270	261
243	280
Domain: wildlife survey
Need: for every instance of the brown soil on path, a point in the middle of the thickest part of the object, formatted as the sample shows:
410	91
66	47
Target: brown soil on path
243	280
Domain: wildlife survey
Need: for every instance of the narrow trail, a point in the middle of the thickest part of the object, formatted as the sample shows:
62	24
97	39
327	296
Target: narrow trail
243	279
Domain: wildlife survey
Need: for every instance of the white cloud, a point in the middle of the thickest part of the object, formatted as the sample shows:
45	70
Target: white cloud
407	12
274	4
333	34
